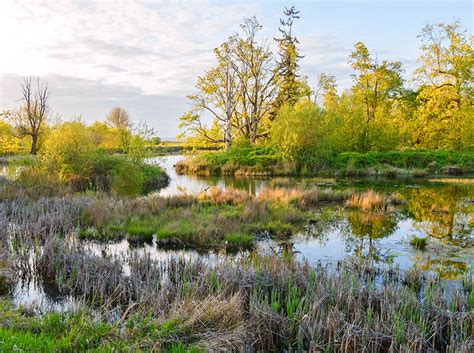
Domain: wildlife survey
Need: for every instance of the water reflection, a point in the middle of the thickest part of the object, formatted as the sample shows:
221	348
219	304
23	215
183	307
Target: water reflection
196	184
445	213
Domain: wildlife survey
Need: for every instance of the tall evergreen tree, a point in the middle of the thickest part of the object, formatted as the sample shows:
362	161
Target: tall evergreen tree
289	87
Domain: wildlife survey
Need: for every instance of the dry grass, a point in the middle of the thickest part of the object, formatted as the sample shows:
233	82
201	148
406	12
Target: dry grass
228	196
272	304
369	201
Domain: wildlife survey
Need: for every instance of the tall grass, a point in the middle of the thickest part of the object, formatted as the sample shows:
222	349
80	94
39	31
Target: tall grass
271	303
369	201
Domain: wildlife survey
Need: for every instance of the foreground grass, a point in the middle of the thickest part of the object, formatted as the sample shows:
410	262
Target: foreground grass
264	303
265	161
79	332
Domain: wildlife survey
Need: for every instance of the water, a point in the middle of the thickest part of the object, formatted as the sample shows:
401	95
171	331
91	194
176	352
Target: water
192	184
442	210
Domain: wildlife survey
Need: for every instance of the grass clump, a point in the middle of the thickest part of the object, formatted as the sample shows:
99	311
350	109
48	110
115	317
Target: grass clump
239	240
369	201
419	243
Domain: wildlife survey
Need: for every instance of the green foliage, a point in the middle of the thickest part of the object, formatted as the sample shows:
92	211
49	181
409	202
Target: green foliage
296	130
69	150
419	243
409	159
76	156
105	137
248	156
444	118
127	178
9	143
154	178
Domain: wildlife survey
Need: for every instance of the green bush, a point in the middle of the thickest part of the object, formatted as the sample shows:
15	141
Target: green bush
127	178
154	178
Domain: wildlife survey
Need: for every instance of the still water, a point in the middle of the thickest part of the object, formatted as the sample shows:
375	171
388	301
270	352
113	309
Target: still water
441	210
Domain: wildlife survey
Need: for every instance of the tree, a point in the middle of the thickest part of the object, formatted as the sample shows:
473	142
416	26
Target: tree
255	68
106	137
376	86
289	89
237	94
118	118
30	118
445	114
217	95
325	94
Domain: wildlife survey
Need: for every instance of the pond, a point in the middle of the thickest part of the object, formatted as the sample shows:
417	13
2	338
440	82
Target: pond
441	210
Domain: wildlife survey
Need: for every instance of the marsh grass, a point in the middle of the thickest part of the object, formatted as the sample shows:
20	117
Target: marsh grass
268	303
369	201
419	243
8	276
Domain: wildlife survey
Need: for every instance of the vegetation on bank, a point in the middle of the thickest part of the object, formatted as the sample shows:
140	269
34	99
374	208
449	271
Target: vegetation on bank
71	159
378	126
71	156
267	161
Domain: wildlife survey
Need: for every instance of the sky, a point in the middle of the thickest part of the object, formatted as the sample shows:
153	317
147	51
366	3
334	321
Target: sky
145	56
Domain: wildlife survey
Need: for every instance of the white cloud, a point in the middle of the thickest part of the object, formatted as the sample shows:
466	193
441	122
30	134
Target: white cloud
159	47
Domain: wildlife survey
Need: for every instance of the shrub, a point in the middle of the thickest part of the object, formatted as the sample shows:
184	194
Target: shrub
295	130
127	179
68	150
154	178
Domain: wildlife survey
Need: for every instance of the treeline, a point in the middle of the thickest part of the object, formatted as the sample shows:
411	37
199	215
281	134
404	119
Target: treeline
108	155
255	97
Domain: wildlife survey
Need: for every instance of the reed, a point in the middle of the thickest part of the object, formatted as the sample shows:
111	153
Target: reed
271	303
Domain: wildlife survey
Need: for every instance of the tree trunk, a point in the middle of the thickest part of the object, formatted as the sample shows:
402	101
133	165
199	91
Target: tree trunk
228	136
34	141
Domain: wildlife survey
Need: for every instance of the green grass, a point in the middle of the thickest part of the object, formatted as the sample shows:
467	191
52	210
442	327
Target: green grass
265	160
419	243
81	332
204	224
239	240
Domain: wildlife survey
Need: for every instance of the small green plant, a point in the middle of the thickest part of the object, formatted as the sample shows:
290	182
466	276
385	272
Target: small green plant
419	243
239	240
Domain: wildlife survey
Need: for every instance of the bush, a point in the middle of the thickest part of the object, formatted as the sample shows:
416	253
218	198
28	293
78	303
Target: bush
154	178
295	130
127	179
69	150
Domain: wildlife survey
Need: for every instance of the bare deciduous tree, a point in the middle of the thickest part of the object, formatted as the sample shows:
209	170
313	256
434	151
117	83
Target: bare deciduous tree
118	118
30	118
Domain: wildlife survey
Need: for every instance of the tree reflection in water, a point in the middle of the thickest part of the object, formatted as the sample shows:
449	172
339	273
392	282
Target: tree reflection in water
362	231
444	213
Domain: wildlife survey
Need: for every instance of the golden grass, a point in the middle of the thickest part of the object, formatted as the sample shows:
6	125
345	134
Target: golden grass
369	201
228	196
